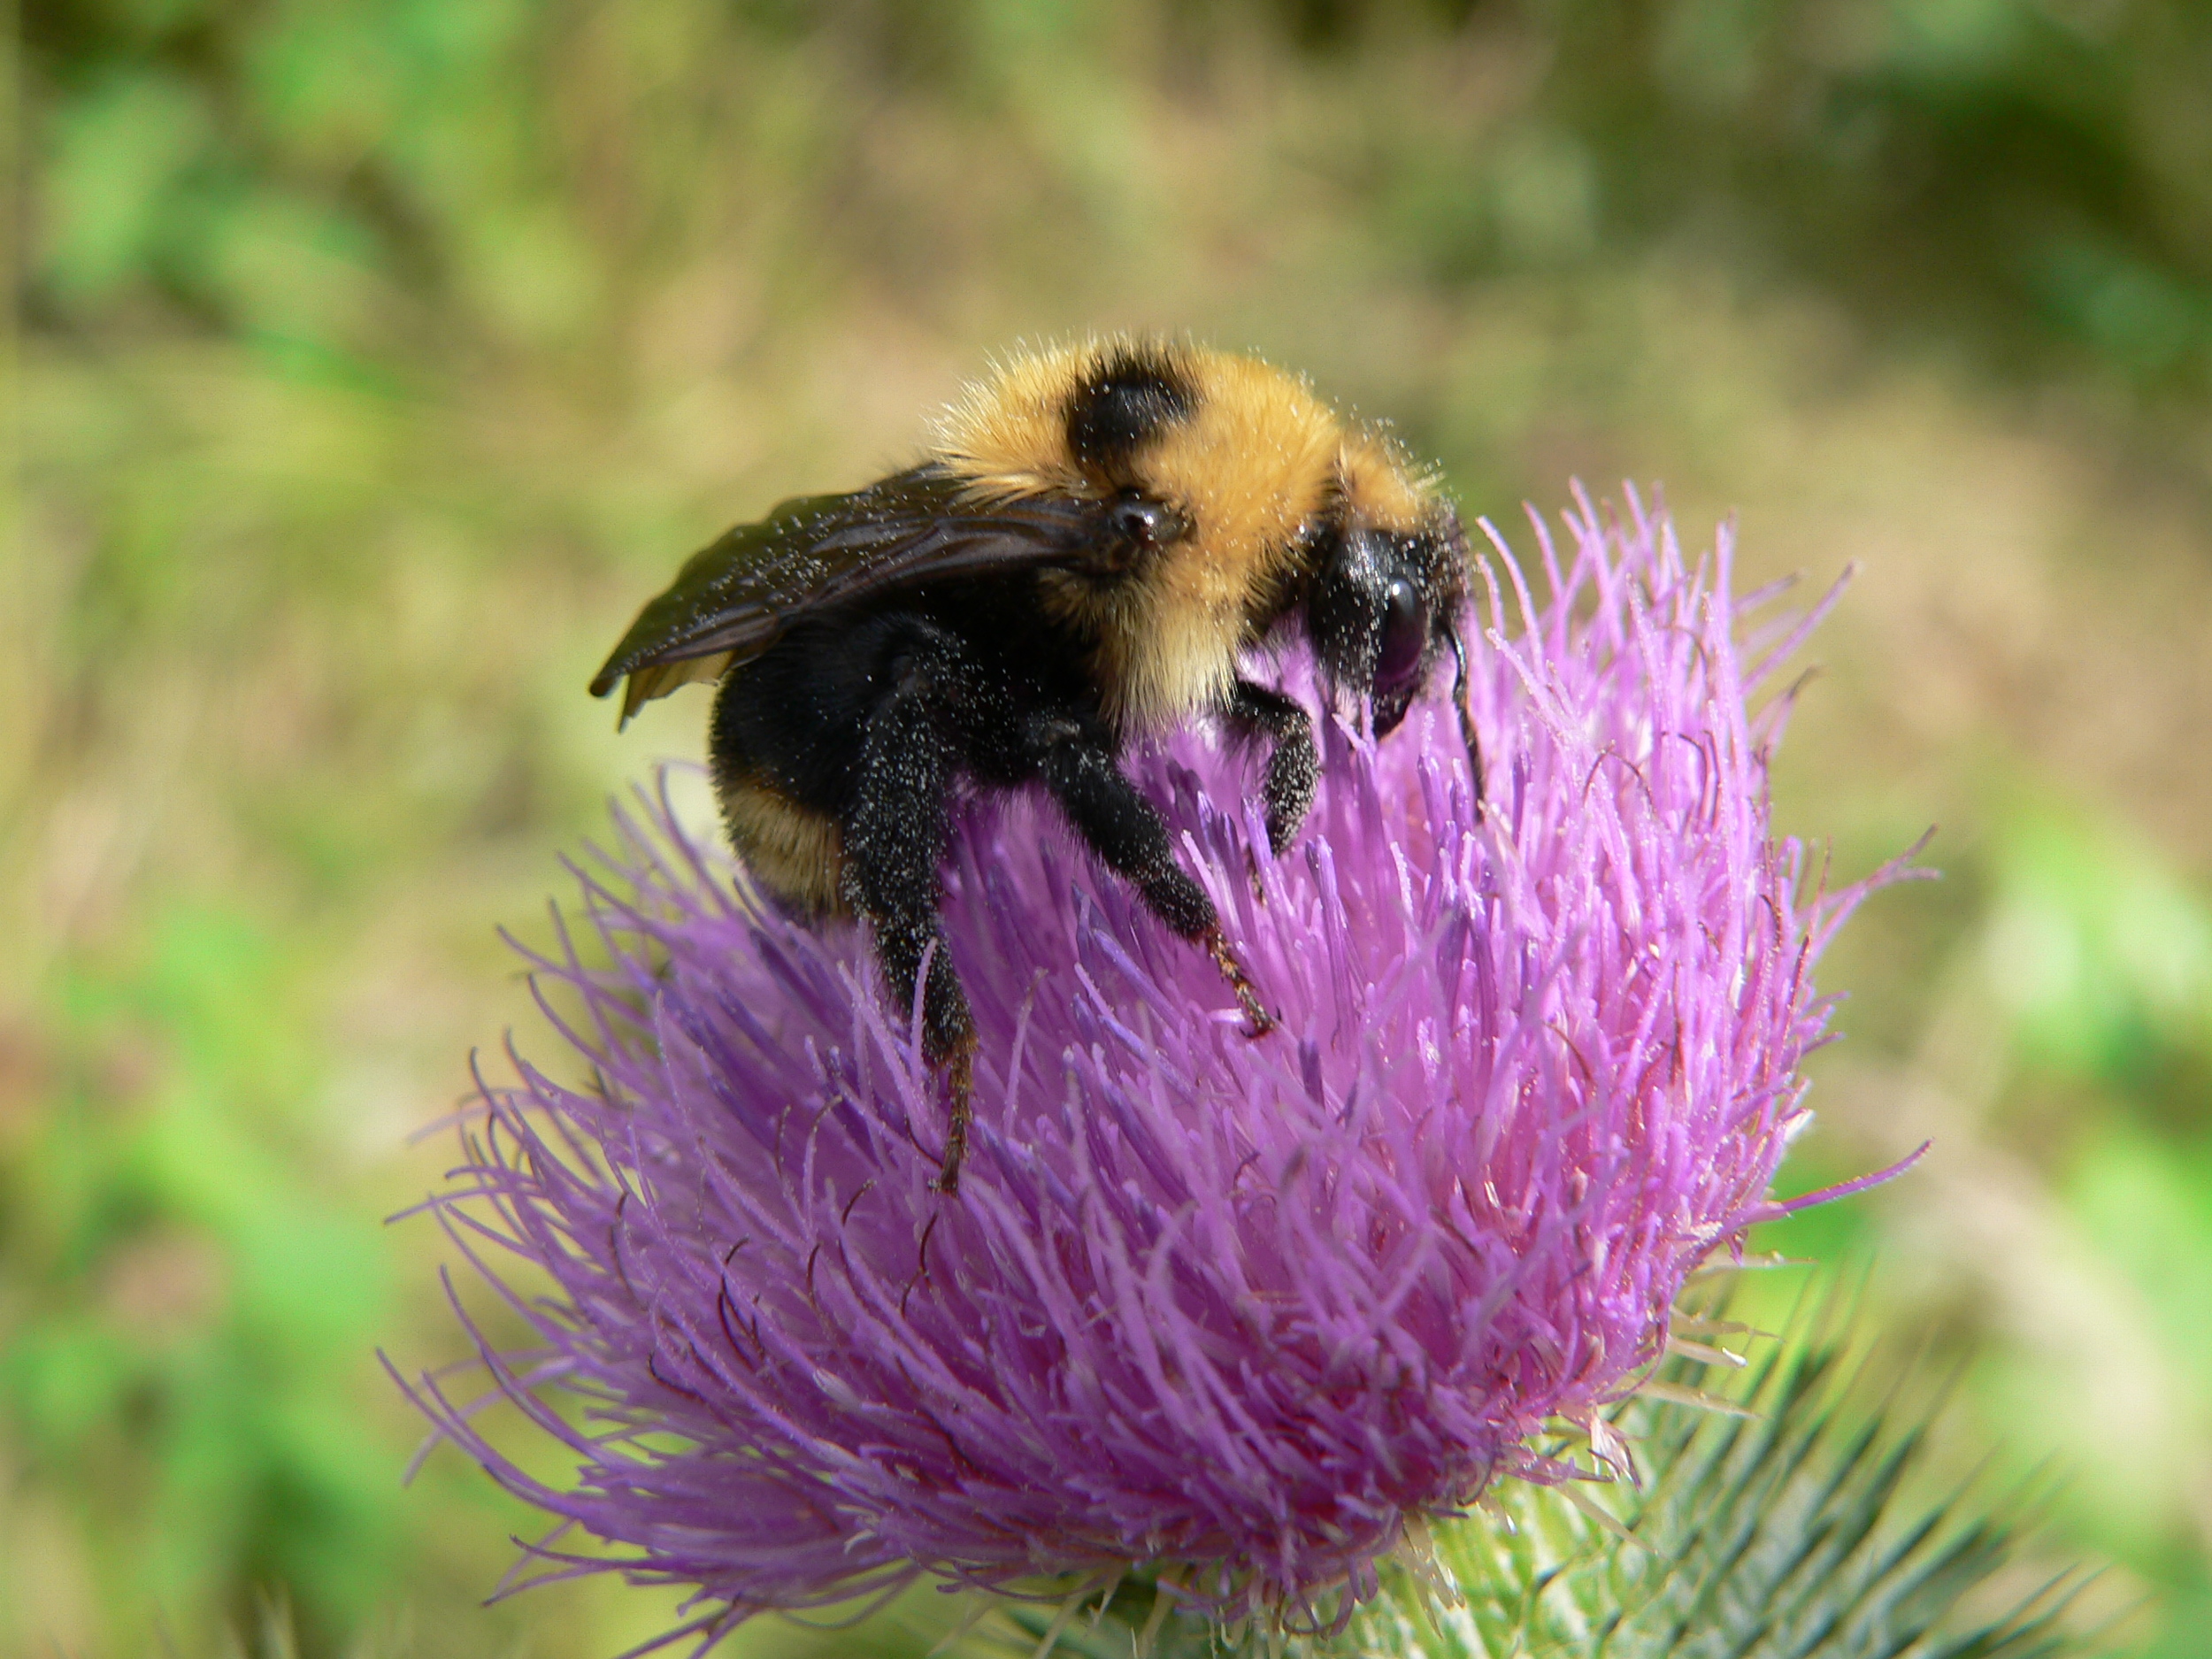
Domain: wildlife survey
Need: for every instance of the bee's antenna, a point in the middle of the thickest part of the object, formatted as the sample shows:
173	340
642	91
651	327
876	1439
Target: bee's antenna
1459	702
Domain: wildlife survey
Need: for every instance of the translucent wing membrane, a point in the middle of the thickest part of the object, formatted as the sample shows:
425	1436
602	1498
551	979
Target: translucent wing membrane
734	597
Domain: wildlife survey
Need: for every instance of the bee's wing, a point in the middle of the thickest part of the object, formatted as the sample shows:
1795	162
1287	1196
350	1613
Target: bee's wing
732	598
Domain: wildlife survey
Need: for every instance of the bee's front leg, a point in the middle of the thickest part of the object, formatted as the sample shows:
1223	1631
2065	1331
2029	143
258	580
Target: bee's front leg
1294	766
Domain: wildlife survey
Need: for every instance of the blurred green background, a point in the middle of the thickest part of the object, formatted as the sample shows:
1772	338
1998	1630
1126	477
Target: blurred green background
373	359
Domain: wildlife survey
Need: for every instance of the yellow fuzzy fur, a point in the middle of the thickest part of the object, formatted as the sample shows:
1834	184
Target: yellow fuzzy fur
796	854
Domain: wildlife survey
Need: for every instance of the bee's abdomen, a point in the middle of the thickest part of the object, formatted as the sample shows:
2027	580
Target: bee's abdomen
797	853
786	731
978	658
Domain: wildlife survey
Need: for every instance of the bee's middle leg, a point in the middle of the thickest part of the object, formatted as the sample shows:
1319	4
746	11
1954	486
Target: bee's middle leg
895	838
1130	837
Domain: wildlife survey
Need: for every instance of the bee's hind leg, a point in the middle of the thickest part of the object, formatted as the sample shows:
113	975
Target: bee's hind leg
894	839
1130	837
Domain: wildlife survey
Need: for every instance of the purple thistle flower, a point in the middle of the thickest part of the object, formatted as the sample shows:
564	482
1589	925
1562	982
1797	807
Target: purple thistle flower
1246	1310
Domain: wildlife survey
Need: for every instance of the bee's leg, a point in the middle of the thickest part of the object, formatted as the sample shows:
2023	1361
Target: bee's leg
894	843
1294	767
1128	834
1459	703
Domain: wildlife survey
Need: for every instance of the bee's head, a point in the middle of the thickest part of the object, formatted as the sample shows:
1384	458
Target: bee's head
1389	579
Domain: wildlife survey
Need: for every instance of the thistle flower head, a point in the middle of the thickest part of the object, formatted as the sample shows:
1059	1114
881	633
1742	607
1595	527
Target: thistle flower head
1243	1311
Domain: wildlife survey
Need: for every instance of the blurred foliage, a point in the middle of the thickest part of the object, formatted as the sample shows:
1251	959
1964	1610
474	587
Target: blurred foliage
328	178
371	361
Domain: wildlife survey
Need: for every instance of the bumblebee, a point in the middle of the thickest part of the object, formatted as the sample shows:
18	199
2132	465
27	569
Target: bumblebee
1098	538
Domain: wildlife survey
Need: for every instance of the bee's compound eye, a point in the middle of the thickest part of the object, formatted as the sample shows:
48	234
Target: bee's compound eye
1141	522
1405	633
